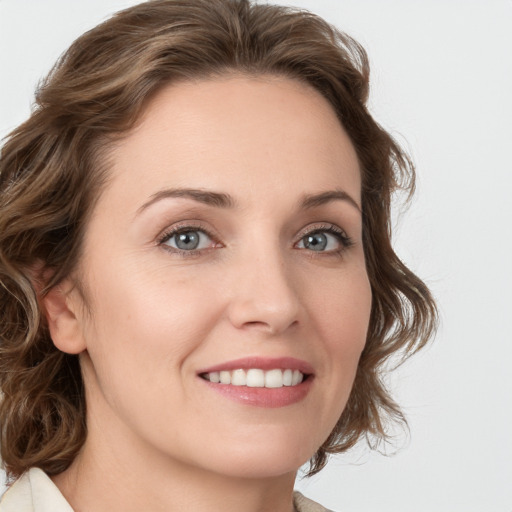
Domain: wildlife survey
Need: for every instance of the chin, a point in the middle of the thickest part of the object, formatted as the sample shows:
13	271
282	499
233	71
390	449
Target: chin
261	467
267	458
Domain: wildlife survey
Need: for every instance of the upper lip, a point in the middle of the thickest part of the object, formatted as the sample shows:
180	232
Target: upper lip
263	363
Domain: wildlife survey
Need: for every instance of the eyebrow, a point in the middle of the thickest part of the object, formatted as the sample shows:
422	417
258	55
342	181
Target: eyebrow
210	198
223	200
314	200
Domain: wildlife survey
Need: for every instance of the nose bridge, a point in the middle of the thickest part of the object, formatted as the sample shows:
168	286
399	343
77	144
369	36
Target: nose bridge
265	294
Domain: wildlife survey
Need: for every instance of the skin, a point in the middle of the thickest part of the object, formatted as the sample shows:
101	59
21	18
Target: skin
158	437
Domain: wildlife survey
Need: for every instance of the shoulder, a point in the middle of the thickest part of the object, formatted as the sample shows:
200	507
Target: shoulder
34	492
303	504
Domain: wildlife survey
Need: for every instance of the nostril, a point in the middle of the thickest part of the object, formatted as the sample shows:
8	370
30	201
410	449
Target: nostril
271	327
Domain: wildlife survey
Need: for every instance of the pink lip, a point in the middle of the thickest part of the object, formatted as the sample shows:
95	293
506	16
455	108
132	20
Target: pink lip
263	363
262	397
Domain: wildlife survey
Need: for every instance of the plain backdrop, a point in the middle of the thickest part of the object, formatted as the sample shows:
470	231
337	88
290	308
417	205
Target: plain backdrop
441	83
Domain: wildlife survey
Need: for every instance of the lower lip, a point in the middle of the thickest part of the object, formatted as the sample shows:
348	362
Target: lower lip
263	397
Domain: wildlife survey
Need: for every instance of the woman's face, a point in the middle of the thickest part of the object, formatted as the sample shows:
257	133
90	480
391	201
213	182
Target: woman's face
228	239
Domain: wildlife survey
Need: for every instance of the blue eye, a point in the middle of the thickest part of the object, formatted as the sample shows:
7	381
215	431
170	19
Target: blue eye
318	241
188	240
325	240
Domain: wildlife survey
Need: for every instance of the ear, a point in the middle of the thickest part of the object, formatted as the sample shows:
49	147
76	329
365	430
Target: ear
63	315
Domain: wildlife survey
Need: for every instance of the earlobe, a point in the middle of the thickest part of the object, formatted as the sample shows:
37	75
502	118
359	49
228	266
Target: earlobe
63	323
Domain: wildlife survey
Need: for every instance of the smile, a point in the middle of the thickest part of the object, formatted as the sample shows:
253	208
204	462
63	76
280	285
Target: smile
269	382
256	377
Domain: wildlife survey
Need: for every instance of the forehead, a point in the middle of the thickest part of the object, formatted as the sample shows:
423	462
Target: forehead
237	134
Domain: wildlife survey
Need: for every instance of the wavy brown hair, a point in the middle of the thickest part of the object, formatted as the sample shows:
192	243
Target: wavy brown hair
53	168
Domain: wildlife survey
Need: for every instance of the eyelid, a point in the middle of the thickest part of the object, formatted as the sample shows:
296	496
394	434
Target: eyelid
183	226
345	240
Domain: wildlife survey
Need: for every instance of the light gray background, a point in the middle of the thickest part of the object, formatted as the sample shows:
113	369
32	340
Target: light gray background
442	82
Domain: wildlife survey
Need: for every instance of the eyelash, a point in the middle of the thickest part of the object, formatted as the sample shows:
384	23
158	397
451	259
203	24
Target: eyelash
344	240
183	228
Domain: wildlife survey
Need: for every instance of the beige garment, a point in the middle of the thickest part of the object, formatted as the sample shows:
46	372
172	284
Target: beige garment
35	492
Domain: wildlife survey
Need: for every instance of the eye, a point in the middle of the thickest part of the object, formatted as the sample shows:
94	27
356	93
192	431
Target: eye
327	239
187	239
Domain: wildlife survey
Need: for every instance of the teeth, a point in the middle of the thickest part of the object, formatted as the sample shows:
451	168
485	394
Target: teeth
238	378
214	377
256	378
274	379
225	378
288	377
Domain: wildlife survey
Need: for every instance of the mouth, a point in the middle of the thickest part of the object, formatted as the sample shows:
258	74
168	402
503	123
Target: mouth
257	377
262	382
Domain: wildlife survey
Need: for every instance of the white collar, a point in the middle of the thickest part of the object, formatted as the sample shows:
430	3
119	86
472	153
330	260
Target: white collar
34	492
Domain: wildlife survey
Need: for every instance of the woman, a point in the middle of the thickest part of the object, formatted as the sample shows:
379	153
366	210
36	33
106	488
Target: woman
198	287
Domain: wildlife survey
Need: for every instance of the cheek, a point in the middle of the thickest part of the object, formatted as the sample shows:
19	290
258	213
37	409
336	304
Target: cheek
343	311
144	332
342	319
151	314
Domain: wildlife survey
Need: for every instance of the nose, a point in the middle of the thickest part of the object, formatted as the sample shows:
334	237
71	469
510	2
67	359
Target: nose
264	295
